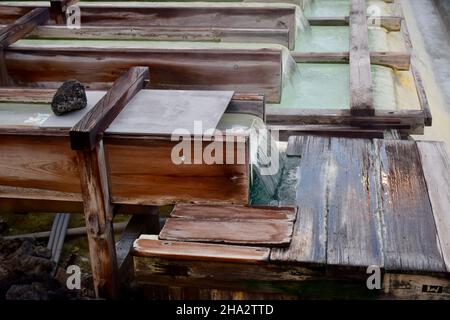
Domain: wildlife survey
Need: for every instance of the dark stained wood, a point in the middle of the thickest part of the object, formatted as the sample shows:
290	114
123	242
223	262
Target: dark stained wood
353	225
160	181
23	26
249	232
235	213
86	133
410	240
9	13
144	247
309	238
5	79
395	60
436	168
361	96
253	104
138	224
256	71
98	213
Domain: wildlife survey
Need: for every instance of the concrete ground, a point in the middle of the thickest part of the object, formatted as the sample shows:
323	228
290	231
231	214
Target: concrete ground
431	41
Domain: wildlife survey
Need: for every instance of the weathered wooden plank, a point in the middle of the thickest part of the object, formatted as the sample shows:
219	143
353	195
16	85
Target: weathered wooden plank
10	13
416	287
161	181
23	26
235	213
86	133
309	240
199	251
250	232
436	168
389	23
361	95
5	79
256	71
395	60
354	228
179	33
409	234
98	213
411	120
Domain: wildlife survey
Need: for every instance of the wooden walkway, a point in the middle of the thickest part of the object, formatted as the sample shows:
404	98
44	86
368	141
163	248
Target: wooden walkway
360	203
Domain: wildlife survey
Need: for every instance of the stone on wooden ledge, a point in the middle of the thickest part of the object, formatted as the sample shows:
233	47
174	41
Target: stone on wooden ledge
69	97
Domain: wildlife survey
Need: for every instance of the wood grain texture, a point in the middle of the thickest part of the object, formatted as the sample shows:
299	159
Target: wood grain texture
410	238
160	181
361	95
256	71
22	26
9	14
44	163
199	251
179	33
235	213
250	232
98	217
436	168
390	23
353	225
309	238
86	133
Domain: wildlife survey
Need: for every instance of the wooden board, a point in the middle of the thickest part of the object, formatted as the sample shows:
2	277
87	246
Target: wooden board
410	238
361	96
250	232
353	226
309	236
161	112
199	251
256	71
228	212
436	168
160	181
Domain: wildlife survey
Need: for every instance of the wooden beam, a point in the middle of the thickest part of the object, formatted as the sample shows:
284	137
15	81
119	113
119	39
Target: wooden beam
5	79
23	26
98	213
361	95
395	60
389	23
86	133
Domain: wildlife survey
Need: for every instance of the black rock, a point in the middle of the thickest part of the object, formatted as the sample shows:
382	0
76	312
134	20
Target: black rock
70	96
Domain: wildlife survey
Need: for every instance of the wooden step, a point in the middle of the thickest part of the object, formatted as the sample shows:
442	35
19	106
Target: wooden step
147	247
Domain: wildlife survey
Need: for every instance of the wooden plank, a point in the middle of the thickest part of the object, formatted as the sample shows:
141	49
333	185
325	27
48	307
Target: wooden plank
309	239
23	26
389	23
44	163
199	251
86	133
436	168
235	213
160	181
409	233
354	229
5	79
253	104
395	60
10	13
179	33
256	71
98	213
361	95
250	232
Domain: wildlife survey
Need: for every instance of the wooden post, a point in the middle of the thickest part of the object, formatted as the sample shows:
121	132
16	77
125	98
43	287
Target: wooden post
98	210
361	95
